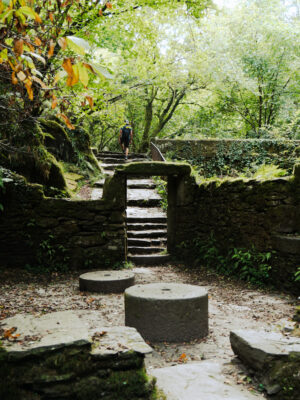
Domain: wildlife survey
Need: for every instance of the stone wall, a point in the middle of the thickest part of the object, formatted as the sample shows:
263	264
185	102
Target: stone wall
230	156
35	229
240	214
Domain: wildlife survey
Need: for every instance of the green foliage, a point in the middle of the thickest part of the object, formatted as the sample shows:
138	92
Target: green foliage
50	257
250	159
161	189
245	264
297	275
123	265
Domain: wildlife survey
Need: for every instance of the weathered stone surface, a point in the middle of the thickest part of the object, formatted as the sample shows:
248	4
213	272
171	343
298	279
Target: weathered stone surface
198	381
150	168
167	311
274	358
106	281
71	354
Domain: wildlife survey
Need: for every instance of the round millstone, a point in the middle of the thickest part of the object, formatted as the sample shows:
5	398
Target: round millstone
168	312
106	281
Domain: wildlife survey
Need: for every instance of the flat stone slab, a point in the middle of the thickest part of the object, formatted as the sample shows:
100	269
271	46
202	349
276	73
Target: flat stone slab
198	381
146	214
148	168
167	311
96	194
142	194
275	359
39	334
106	281
258	348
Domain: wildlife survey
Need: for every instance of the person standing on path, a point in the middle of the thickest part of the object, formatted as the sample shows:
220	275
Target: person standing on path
125	138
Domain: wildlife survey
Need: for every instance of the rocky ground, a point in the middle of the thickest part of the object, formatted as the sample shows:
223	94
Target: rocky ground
232	305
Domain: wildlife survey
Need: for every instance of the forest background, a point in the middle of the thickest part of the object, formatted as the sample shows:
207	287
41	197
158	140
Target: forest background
176	69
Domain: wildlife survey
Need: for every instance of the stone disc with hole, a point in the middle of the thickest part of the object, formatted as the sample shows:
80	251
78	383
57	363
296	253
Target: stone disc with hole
168	312
106	281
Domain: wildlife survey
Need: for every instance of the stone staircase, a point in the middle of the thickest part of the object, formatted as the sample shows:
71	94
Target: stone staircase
146	221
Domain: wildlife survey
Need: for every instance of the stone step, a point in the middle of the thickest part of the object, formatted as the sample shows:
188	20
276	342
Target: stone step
114	154
146	259
147	234
147	242
110	160
96	193
133	250
143	214
143	202
145	227
141	184
99	184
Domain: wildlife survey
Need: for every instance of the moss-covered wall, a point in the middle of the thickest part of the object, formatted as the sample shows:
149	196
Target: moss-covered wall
35	229
231	156
240	213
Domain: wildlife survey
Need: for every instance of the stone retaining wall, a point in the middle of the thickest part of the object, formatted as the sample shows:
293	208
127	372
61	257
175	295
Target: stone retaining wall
227	156
36	230
240	214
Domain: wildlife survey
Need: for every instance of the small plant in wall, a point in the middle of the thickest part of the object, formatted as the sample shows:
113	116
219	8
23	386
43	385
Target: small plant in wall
297	274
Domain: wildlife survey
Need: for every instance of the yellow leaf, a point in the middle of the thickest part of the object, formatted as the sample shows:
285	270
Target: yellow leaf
28	84
67	66
67	121
90	100
39	81
14	78
18	46
75	76
83	74
51	48
61	74
54	102
37	41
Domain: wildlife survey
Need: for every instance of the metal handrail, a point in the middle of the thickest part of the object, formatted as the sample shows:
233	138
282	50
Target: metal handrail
156	154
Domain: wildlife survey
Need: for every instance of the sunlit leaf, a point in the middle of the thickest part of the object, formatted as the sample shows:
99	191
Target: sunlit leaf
83	74
38	57
97	69
28	60
39	81
62	42
30	13
21	76
75	76
78	45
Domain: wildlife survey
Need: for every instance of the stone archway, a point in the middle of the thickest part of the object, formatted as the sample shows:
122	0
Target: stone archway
115	188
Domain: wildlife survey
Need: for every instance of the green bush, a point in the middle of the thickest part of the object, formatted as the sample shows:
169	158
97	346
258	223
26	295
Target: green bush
245	264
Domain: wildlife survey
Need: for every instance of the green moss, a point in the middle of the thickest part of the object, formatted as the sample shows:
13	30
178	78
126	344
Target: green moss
155	168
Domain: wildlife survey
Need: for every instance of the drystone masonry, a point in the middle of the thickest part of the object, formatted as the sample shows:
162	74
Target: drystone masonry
35	229
239	213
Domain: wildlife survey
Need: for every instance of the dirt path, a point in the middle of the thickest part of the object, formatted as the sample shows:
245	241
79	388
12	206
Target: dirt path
231	306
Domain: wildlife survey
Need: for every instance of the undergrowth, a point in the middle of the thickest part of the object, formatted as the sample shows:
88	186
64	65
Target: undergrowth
248	265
